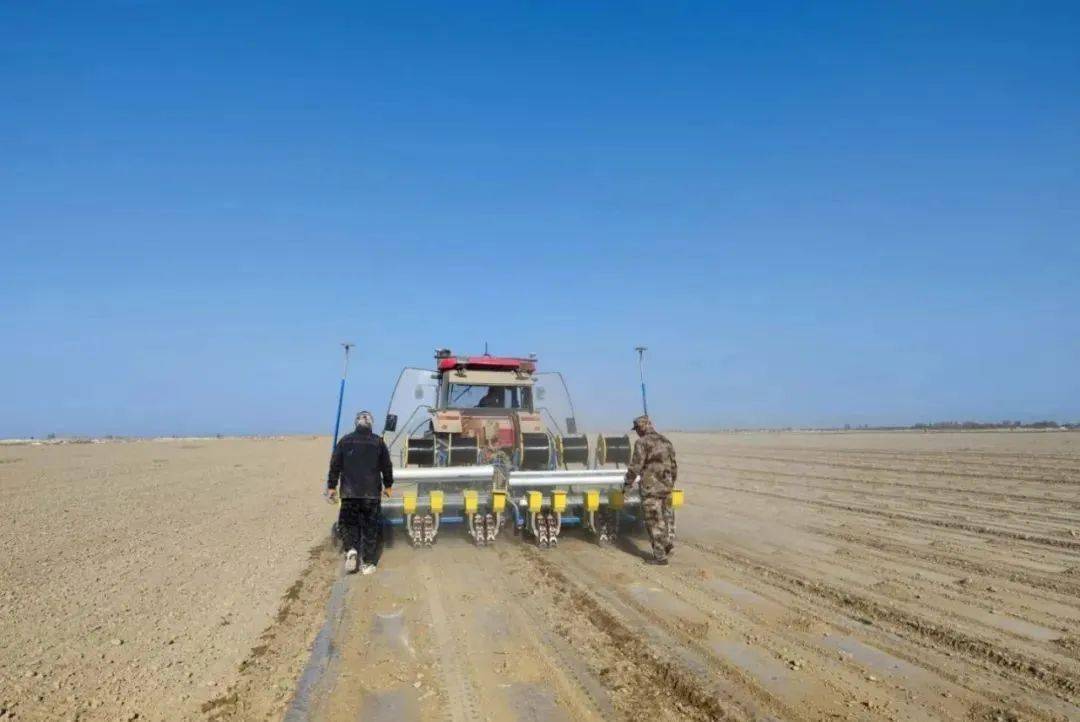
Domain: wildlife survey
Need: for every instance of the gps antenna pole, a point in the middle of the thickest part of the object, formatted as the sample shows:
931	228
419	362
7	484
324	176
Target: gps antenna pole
641	374
341	393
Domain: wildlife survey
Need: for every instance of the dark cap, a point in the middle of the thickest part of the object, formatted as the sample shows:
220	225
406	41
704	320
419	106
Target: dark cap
642	422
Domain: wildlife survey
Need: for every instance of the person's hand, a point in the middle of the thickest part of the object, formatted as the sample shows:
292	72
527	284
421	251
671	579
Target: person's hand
388	492
331	496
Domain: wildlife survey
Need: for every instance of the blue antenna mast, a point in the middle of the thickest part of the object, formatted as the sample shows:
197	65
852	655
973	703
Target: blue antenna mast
341	393
641	374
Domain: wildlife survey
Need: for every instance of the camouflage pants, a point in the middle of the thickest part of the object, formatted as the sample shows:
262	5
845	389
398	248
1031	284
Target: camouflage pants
655	510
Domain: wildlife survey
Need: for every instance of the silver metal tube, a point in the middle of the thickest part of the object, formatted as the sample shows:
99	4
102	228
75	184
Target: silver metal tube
578	482
568	473
449	473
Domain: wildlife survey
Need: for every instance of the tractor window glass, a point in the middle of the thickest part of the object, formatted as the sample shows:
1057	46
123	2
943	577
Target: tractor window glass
467	396
553	402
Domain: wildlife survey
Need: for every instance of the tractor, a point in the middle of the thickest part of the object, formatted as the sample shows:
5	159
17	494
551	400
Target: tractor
482	440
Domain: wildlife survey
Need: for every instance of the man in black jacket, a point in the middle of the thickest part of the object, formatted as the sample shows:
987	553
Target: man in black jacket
361	463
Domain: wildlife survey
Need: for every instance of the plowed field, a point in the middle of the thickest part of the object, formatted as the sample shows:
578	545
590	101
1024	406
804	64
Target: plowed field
816	576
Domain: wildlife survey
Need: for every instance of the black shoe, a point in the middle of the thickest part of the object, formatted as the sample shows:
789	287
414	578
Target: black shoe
668	548
658	562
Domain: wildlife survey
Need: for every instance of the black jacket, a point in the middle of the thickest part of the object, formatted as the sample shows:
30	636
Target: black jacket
359	459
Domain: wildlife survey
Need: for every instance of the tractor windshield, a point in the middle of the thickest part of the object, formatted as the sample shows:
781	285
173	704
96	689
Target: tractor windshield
416	391
479	396
553	402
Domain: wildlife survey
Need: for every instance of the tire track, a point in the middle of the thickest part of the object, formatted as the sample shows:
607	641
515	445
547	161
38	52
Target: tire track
463	704
692	694
964	604
829	693
1048	583
947	460
1024	498
1045	674
962	526
961	505
921	471
900	555
963	455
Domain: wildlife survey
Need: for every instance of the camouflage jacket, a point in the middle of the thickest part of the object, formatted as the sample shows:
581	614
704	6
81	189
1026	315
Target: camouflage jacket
654	462
499	459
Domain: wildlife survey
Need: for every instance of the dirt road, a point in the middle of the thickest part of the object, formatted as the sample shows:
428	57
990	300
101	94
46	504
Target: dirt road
817	576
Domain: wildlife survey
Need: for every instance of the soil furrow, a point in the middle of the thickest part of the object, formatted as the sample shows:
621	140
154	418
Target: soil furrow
1062	682
963	526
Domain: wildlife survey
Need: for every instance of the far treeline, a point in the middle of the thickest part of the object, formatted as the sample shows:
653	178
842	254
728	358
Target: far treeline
964	425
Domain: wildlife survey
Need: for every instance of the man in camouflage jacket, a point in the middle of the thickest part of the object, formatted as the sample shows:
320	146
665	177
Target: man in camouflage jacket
654	462
493	454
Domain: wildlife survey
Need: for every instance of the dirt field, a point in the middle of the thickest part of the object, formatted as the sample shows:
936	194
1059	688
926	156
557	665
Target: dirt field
137	577
816	576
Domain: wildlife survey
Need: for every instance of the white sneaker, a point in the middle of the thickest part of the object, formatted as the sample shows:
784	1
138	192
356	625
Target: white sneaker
366	569
351	560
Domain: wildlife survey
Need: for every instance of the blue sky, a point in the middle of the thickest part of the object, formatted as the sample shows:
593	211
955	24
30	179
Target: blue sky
812	213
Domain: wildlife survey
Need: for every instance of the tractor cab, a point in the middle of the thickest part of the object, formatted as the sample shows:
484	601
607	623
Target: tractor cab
486	398
472	405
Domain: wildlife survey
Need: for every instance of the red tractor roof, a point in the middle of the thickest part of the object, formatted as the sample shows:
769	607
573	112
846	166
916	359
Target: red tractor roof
491	363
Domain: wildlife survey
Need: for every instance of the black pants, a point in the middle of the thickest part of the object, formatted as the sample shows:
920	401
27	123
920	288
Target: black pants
359	523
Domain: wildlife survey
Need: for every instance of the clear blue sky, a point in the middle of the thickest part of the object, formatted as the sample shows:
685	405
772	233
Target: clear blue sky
812	213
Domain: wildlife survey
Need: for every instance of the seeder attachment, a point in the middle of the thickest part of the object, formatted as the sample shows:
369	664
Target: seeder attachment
547	501
543	503
447	495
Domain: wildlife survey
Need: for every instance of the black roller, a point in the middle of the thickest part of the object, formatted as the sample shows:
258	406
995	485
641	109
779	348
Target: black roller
420	452
613	450
536	451
572	450
461	451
